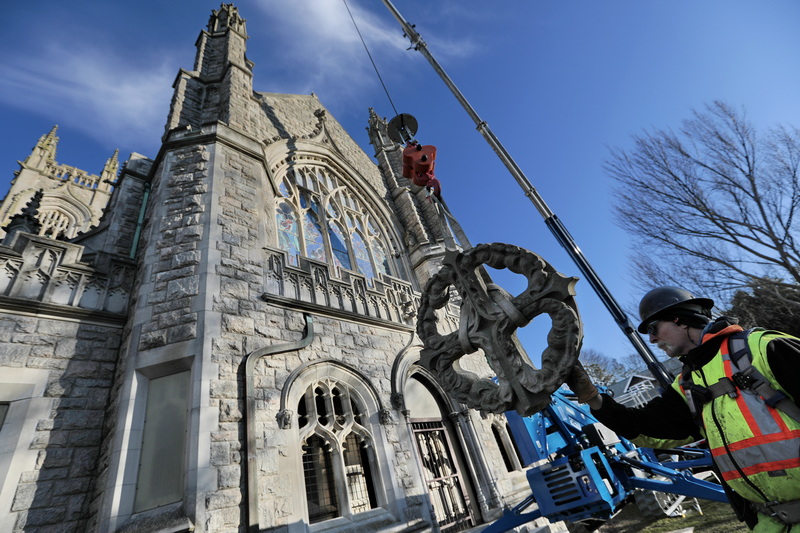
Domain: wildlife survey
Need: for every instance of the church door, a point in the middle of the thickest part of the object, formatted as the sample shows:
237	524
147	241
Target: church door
442	476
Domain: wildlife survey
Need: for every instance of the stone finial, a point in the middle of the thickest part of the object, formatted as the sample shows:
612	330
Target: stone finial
44	151
521	386
112	164
227	17
109	174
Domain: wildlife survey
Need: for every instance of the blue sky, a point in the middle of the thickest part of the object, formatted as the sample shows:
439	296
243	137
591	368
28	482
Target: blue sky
559	83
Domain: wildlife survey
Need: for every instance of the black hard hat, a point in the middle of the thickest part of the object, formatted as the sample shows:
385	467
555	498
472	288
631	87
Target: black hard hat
663	299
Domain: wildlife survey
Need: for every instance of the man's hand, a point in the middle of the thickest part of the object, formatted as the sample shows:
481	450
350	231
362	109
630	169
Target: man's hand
581	384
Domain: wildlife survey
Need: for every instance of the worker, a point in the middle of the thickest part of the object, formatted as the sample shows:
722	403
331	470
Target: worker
738	390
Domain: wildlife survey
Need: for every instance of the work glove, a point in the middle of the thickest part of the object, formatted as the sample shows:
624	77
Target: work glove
581	384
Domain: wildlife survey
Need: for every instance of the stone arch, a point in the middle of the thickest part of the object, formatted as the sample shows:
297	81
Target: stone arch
319	451
312	371
441	435
404	366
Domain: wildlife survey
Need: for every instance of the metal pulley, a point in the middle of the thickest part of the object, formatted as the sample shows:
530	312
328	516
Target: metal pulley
402	128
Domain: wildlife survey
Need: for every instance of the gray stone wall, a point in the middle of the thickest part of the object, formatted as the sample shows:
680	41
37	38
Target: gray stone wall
53	492
121	222
171	269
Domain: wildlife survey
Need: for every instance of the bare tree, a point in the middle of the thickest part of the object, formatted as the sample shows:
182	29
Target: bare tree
601	368
767	307
713	207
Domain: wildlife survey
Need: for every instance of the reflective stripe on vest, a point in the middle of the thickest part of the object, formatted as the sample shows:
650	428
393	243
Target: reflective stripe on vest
763	444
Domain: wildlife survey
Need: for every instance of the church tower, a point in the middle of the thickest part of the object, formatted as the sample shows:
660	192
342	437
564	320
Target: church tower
72	200
264	371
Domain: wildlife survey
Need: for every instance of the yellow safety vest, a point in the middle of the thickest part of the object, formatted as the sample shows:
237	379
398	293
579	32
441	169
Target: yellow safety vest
755	446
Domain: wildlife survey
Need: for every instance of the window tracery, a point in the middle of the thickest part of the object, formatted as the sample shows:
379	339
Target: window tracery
54	224
337	452
317	217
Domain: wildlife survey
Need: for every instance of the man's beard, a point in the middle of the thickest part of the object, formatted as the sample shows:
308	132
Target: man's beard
667	348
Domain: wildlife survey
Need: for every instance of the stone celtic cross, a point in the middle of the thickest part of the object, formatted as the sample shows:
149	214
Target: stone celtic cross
489	318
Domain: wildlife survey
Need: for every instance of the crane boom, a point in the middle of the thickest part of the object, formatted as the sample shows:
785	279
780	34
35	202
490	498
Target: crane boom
550	219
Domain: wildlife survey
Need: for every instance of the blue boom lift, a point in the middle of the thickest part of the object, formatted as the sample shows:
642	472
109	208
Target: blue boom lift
584	473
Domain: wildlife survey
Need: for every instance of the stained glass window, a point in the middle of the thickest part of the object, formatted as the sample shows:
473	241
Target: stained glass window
315	246
381	259
339	245
312	231
372	230
288	231
283	188
362	256
319	219
331	210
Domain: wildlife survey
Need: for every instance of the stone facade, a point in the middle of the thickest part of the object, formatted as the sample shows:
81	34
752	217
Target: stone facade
231	346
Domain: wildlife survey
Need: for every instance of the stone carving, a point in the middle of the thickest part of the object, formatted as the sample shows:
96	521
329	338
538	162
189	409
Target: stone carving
389	299
49	271
284	418
398	401
386	417
489	318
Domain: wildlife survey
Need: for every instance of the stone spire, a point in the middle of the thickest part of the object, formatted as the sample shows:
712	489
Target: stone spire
425	231
220	88
223	44
109	174
44	151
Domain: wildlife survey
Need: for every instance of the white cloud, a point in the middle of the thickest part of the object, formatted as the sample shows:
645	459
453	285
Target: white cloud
321	51
95	90
115	92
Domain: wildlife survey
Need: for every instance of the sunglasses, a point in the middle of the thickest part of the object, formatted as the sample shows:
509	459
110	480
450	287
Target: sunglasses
652	327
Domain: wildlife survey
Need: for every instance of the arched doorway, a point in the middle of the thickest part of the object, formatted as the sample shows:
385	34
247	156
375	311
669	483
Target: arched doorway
440	456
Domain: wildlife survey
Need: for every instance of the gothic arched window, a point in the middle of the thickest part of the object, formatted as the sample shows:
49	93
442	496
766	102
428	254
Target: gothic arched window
335	227
337	452
55	224
381	259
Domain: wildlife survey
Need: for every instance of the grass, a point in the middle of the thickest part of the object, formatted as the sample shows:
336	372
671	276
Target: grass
716	518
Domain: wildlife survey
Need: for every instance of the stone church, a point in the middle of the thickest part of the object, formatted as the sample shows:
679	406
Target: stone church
221	338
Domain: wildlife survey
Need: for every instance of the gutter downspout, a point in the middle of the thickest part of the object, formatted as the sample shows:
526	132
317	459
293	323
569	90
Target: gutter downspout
250	361
140	222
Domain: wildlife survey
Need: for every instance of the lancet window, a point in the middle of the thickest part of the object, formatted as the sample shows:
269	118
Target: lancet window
54	224
337	452
319	218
